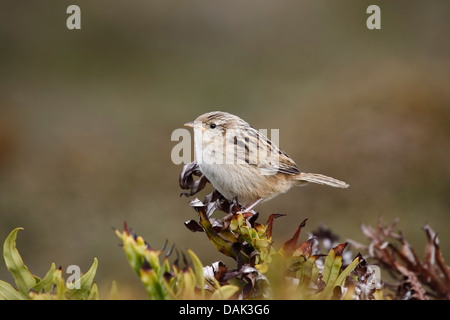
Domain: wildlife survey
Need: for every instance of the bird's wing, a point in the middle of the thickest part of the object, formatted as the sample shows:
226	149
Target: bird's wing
278	162
255	149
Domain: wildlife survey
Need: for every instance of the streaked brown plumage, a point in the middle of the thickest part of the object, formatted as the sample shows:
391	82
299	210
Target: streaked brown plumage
258	171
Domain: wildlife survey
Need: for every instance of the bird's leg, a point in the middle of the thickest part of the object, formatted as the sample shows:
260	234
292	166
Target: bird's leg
254	204
241	209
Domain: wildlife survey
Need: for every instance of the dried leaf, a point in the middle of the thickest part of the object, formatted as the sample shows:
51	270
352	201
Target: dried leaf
403	263
410	288
237	247
187	181
430	248
193	226
442	266
407	252
220	269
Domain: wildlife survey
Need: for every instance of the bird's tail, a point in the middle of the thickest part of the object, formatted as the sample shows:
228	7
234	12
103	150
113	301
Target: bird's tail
321	179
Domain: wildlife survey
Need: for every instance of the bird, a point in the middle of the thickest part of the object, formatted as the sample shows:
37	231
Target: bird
241	163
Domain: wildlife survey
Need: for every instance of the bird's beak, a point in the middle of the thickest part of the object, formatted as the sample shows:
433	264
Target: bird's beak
193	125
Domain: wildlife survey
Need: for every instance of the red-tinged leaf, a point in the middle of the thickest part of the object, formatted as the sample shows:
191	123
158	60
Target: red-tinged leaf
269	223
289	246
125	228
251	217
340	248
247	215
305	248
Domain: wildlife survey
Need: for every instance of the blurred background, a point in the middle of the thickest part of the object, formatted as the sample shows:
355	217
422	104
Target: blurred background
86	118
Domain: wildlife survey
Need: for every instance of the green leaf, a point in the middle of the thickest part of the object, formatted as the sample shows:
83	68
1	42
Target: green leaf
225	292
47	282
150	279
135	258
42	296
7	292
234	224
85	283
60	284
306	273
93	295
198	271
114	292
169	286
152	257
23	278
327	266
332	267
221	244
344	274
189	286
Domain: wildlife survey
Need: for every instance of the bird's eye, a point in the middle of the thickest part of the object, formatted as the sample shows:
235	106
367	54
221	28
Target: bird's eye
212	125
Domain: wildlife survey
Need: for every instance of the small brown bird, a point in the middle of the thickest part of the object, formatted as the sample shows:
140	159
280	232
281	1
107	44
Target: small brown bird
241	162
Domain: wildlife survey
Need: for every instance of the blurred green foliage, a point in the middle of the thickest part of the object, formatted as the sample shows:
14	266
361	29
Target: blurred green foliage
51	287
86	115
166	281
